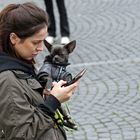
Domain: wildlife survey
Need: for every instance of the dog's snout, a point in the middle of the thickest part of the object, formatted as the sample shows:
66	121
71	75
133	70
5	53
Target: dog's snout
56	59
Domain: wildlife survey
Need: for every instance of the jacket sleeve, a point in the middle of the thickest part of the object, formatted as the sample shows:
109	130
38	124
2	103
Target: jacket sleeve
50	105
19	119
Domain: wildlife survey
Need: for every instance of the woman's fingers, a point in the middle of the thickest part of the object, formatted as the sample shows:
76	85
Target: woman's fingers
74	85
60	83
63	93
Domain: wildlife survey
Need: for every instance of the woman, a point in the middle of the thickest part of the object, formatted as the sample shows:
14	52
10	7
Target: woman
24	114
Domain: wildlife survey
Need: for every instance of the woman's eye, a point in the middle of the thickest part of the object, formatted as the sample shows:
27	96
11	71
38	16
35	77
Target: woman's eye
35	43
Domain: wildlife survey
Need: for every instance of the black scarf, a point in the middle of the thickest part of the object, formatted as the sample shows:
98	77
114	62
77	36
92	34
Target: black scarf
10	63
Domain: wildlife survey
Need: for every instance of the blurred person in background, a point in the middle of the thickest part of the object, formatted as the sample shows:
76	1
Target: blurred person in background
64	25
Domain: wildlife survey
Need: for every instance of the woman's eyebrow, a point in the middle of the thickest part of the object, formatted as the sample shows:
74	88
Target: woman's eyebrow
38	40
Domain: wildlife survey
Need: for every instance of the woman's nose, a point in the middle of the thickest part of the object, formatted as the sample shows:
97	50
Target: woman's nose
40	47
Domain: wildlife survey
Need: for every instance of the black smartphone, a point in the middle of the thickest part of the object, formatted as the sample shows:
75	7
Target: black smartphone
77	77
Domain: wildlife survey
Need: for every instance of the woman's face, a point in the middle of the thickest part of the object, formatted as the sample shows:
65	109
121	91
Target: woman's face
31	46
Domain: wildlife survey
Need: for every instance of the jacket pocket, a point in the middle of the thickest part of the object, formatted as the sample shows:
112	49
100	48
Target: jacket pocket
34	84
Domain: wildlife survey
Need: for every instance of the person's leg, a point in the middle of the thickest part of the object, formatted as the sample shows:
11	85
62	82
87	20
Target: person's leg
52	26
64	25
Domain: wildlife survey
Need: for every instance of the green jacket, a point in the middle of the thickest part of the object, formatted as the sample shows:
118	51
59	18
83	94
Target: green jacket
20	115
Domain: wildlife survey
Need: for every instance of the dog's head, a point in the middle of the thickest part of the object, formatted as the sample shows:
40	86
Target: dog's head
59	54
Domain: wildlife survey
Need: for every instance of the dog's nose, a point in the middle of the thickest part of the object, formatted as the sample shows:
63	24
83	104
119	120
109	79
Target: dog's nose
56	59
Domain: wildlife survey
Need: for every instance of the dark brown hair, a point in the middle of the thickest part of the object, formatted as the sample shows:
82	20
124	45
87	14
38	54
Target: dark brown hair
23	19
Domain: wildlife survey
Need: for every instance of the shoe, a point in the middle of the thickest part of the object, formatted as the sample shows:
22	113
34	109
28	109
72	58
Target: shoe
65	40
50	39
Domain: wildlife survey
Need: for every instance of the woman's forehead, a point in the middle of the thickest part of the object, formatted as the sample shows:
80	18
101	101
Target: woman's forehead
41	34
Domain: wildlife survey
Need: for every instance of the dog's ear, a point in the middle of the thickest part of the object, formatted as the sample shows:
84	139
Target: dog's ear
48	45
70	46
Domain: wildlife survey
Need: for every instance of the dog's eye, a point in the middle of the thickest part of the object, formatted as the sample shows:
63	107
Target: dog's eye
61	55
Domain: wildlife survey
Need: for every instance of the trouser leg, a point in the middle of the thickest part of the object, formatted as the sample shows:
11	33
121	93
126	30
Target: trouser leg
52	25
64	25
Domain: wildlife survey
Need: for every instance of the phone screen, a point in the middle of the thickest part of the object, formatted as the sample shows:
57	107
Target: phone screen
77	77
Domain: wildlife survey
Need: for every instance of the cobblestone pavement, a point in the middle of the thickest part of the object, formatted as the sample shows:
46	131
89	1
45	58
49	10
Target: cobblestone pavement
106	105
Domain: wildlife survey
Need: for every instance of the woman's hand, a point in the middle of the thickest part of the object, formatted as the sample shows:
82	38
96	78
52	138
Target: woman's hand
63	93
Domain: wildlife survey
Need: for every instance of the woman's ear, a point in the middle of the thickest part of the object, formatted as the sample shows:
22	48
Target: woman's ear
13	38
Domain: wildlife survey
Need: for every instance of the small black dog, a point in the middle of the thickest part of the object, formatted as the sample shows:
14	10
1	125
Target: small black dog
54	69
59	54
